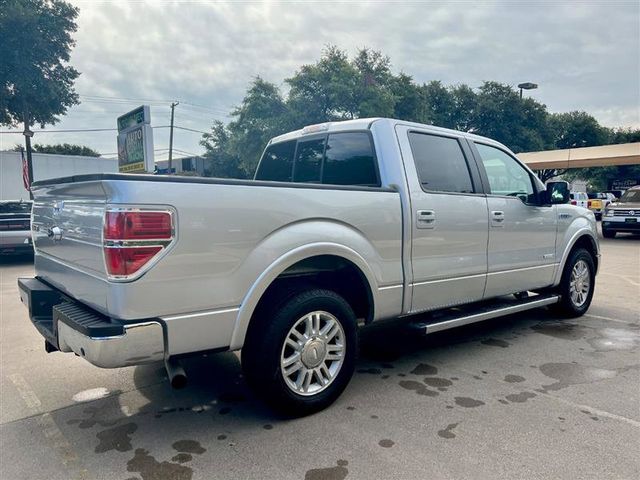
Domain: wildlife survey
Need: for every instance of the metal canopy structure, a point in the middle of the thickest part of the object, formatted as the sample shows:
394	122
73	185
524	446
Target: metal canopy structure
603	156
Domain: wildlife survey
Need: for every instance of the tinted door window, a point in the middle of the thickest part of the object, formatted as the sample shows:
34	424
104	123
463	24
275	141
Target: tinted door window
349	160
506	175
440	163
277	162
308	163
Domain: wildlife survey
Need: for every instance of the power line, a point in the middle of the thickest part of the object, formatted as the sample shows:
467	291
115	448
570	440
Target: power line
66	131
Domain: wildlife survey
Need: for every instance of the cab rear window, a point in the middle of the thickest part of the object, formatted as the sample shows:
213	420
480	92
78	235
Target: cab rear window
343	158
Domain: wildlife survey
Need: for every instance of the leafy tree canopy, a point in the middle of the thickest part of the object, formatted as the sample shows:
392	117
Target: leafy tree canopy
62	149
338	88
35	80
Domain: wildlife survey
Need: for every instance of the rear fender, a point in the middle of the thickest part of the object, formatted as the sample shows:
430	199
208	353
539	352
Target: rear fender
280	265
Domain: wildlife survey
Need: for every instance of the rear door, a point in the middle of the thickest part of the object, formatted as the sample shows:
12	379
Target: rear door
522	234
449	219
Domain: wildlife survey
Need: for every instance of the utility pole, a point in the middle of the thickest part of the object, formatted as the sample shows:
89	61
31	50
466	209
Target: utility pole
27	140
173	106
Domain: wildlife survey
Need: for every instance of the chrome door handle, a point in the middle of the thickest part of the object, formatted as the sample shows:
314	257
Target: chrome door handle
425	219
497	218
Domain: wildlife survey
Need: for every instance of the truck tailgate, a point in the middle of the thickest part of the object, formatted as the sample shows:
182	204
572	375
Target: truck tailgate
67	225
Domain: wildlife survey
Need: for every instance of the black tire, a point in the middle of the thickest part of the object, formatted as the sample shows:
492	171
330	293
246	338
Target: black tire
608	233
261	353
567	307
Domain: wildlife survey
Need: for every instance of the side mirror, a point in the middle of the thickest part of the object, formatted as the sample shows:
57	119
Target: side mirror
556	192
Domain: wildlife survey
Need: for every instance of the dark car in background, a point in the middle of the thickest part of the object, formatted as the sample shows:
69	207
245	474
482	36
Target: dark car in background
15	227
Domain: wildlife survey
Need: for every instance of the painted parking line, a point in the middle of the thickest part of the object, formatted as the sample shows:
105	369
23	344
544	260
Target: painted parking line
609	319
50	429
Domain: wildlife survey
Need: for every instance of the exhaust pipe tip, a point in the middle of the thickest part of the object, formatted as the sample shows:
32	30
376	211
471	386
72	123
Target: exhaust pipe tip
177	375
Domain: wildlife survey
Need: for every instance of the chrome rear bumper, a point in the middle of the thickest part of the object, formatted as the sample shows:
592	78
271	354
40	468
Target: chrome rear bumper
72	327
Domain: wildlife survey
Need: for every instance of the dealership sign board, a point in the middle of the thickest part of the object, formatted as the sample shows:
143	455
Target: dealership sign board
135	141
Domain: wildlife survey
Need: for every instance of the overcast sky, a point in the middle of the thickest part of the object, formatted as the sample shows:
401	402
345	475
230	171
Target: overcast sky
584	55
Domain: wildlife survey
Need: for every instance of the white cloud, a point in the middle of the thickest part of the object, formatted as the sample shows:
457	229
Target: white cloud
584	55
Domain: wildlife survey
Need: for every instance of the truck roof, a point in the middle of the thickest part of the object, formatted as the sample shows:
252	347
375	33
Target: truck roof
365	124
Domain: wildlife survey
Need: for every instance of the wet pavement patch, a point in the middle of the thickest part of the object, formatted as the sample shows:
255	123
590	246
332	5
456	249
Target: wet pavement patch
494	342
386	443
520	397
468	402
417	387
561	330
514	379
189	446
567	374
448	432
182	458
99	415
437	382
116	438
339	472
424	369
150	469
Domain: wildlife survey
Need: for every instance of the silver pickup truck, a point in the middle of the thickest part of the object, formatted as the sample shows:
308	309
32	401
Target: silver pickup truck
344	224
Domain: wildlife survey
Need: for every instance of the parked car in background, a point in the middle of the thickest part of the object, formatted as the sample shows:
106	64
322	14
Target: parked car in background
579	199
345	224
15	227
595	204
616	193
623	215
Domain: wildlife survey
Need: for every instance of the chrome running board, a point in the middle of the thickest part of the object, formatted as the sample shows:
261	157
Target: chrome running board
460	317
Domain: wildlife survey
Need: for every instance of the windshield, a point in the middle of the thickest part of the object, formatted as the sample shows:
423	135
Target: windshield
630	196
15	207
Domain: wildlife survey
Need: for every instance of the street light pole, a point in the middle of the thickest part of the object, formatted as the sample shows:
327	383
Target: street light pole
527	86
27	140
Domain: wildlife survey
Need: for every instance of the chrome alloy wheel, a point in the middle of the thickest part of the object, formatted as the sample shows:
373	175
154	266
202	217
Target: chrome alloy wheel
313	353
580	283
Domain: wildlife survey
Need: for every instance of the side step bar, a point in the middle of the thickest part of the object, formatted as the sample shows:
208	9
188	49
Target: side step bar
483	312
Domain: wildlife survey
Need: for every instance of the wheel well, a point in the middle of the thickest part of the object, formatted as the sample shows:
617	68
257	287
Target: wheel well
589	244
324	271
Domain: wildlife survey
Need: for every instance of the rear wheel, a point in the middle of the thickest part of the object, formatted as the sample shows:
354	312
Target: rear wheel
300	353
577	285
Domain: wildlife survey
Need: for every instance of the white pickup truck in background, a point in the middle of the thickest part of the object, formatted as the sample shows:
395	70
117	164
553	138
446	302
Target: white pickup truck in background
345	224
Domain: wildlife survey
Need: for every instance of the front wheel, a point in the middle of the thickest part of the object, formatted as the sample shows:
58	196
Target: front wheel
577	285
300	352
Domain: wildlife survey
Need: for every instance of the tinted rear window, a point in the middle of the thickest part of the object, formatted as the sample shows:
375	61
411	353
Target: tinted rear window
277	162
349	160
309	161
440	163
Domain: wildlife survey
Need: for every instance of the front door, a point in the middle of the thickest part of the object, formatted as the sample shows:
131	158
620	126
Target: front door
522	234
449	219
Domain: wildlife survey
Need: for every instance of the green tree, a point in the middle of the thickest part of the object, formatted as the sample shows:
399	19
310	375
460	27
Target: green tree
36	84
63	149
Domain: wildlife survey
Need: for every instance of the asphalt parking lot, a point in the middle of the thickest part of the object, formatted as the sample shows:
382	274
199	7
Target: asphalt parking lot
526	396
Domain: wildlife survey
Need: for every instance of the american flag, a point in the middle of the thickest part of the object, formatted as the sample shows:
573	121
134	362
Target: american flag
25	172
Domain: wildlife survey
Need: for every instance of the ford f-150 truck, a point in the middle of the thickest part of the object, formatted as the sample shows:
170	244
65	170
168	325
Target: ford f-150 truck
344	224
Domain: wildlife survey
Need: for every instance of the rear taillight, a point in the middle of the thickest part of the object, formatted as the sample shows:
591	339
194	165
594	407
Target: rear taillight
573	202
133	237
589	204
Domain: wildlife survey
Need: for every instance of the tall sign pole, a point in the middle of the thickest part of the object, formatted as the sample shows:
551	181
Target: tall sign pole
173	106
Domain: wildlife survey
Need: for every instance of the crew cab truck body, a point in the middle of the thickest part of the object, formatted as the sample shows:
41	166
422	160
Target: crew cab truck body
345	223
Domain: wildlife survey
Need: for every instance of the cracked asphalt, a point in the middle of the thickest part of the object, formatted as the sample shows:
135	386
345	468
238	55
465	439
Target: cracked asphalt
526	396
